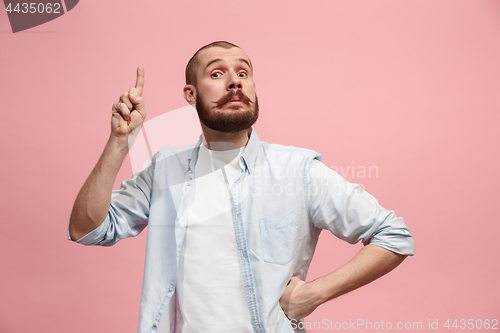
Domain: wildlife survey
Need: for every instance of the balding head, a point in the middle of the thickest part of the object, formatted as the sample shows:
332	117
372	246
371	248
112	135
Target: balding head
192	66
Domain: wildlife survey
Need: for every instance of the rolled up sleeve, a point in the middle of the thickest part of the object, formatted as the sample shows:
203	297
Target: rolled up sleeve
352	214
128	211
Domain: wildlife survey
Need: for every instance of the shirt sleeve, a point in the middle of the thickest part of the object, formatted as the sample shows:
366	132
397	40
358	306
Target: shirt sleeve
128	211
352	214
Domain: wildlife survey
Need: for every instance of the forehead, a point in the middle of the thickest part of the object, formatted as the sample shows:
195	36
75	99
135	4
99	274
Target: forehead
228	56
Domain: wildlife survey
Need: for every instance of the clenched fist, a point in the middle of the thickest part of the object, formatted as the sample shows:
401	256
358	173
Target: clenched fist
129	112
298	300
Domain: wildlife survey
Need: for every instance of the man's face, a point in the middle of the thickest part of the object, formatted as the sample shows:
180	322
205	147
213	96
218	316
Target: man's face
225	94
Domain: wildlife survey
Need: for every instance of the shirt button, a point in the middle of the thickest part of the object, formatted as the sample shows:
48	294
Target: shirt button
170	289
155	324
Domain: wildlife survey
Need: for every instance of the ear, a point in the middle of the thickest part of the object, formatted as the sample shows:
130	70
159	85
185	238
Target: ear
189	92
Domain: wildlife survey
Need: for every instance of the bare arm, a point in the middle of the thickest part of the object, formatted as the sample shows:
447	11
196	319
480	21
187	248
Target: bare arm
92	203
300	299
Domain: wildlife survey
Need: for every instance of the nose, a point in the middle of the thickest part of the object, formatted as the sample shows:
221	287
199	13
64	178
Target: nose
234	82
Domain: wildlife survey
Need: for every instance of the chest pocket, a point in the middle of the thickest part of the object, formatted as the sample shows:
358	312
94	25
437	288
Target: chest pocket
277	235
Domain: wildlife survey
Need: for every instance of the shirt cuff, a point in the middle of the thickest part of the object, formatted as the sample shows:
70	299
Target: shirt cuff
93	237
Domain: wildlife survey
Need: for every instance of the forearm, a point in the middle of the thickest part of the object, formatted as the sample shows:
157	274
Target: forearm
370	263
92	203
300	299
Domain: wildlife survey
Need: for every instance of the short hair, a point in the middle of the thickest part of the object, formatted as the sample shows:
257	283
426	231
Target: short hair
192	65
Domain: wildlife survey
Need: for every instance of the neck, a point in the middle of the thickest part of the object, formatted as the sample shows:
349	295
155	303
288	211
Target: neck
216	140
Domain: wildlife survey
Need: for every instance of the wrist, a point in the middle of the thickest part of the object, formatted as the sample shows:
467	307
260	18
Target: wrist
323	290
318	294
118	142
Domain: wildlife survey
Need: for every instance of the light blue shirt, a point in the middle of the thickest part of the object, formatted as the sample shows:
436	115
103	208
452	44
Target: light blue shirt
281	200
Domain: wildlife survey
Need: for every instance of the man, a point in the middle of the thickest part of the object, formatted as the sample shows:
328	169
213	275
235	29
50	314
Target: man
233	221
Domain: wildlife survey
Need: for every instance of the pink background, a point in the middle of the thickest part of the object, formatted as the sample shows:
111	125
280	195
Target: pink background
411	88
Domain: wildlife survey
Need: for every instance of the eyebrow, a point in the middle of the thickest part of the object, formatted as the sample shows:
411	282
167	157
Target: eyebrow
220	60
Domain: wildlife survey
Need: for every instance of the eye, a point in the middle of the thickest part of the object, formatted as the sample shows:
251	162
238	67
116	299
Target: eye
216	75
242	74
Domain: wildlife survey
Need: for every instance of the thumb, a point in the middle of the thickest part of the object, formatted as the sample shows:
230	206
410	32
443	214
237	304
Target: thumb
133	91
136	100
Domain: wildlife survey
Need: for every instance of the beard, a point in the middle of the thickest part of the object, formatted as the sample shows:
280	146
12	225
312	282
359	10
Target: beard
228	123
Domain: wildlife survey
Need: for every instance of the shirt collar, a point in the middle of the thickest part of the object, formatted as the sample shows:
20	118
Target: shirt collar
248	157
251	151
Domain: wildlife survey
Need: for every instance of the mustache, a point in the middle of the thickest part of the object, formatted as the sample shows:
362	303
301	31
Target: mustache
227	98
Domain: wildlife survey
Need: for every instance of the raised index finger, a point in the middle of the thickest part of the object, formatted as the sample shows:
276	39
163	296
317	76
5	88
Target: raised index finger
139	83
